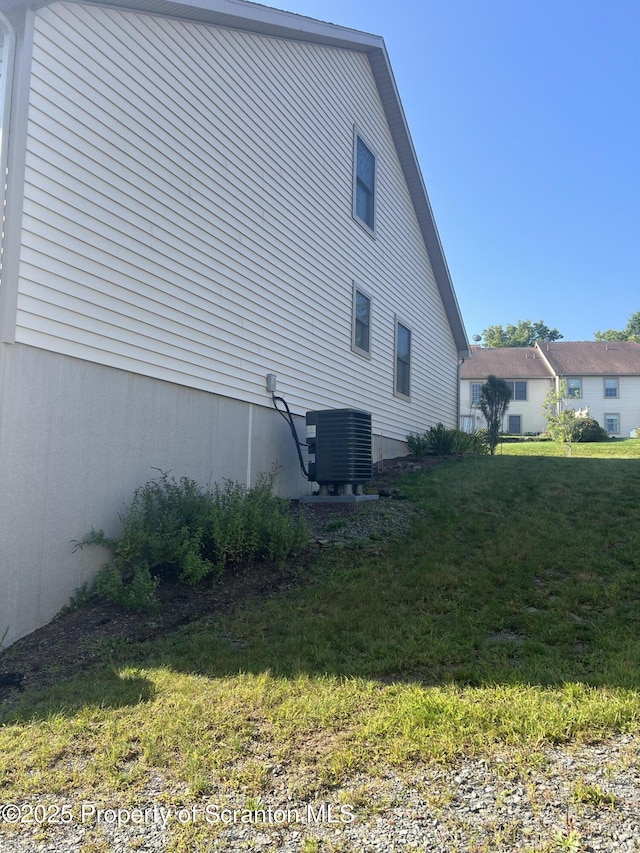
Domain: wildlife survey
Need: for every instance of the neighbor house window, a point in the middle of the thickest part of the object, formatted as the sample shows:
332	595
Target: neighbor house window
612	424
518	390
574	388
365	184
361	340
611	387
475	393
403	360
514	426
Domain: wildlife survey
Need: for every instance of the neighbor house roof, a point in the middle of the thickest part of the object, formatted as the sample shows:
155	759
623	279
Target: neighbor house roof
506	362
252	17
561	358
592	358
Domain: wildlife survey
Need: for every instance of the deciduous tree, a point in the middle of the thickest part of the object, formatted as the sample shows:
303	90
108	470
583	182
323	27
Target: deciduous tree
524	334
631	333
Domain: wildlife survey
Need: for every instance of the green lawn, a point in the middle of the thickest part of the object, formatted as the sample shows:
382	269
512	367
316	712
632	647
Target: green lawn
508	619
619	448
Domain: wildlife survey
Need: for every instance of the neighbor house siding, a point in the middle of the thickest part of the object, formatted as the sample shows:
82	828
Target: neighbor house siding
187	216
626	405
530	410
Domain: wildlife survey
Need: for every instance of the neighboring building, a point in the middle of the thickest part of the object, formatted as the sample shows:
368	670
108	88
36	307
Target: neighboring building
198	193
529	376
602	376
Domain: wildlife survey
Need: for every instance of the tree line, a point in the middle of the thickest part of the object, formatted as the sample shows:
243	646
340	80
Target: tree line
526	334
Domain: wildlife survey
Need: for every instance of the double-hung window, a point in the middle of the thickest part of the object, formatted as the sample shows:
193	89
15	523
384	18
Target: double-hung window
518	390
364	183
475	393
611	388
574	388
403	360
361	325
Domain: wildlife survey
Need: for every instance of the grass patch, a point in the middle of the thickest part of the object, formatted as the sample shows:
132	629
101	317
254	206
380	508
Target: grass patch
615	448
507	619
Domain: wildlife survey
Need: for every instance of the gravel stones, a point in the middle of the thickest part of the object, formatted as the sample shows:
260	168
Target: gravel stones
584	798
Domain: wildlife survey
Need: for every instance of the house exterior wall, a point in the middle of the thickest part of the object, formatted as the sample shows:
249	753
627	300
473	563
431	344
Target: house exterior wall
188	217
185	227
626	406
530	410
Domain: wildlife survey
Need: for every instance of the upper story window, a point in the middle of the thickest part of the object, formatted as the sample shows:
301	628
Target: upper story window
574	388
403	360
611	388
361	325
364	184
518	390
475	393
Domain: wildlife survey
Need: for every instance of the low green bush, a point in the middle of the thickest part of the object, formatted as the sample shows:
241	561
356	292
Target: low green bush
175	529
576	429
440	441
588	429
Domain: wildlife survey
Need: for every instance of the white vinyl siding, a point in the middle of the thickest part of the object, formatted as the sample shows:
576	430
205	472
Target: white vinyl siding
627	404
187	216
529	410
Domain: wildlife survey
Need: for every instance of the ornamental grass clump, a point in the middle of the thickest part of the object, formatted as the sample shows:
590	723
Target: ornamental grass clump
177	530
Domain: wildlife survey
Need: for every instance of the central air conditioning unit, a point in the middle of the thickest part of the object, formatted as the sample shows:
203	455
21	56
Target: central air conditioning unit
339	447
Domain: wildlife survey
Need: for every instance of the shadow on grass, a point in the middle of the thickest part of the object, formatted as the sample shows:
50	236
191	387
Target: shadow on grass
103	688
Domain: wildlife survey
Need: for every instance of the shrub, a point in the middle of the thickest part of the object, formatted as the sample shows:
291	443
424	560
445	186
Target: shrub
568	428
178	530
440	441
588	429
418	444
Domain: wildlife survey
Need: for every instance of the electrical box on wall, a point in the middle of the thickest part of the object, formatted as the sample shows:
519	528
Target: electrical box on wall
339	448
271	382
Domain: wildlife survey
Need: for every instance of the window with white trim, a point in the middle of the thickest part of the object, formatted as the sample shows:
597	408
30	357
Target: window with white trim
403	360
475	393
364	189
611	388
612	424
361	323
574	388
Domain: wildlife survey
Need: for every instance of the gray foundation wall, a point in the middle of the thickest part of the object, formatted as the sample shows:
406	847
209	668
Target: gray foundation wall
76	439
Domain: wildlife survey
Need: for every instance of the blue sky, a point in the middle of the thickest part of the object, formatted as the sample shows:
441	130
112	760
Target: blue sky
525	115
